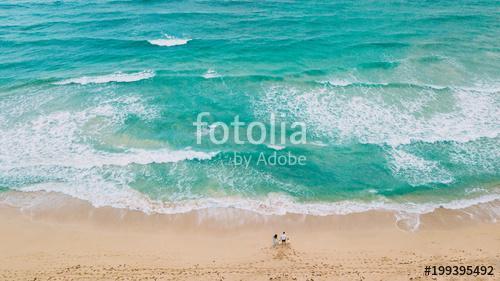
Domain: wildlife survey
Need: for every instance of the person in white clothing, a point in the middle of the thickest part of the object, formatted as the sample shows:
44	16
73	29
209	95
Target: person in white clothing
283	238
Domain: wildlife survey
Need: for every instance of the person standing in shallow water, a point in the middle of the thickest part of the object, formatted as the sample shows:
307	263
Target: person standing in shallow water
275	240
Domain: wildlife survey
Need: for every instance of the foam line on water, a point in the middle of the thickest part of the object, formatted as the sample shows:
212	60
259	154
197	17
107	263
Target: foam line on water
272	204
118	77
367	117
60	138
210	74
169	41
416	170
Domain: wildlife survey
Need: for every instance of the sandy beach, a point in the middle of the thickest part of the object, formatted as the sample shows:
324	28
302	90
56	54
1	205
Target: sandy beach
173	140
71	240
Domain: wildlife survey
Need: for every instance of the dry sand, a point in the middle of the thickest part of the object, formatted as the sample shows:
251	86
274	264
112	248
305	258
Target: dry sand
71	240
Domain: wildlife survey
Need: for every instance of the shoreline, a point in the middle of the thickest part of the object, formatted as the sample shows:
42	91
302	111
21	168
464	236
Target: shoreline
72	239
274	204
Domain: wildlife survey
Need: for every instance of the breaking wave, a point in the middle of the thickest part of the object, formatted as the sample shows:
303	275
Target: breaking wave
169	41
118	77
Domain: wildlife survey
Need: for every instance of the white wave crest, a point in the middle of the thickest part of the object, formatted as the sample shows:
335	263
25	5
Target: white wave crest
118	77
276	147
354	82
101	194
372	117
62	138
210	74
169	41
415	170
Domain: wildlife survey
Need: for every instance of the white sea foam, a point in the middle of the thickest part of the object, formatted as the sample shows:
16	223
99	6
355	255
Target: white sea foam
118	77
482	156
415	170
318	143
368	117
63	138
210	74
276	147
169	41
348	82
338	82
407	221
88	158
101	193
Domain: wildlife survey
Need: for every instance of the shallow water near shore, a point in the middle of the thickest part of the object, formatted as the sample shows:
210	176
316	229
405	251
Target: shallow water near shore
401	106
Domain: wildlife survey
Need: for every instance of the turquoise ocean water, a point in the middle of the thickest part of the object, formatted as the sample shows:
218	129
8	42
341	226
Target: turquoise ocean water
401	102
